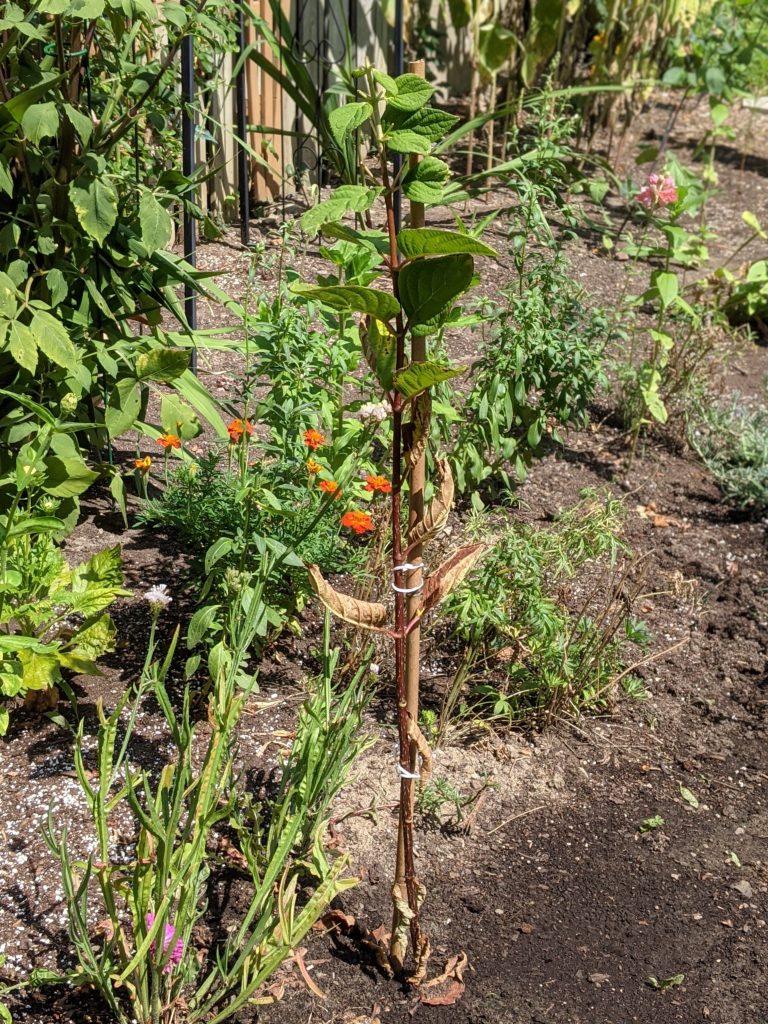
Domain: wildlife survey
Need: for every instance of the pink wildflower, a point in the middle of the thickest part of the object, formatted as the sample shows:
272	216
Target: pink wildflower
170	935
660	190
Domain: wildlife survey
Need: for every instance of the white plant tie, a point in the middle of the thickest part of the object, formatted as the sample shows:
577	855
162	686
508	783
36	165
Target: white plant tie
405	774
408	567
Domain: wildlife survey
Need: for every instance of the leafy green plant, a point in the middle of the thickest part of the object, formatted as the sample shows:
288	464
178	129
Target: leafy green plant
53	617
144	958
536	372
544	621
732	442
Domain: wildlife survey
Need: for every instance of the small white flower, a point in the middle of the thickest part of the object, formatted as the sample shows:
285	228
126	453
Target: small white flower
373	411
374	669
158	596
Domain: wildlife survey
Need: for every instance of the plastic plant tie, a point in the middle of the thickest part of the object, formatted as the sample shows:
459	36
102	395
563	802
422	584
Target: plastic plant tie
408	567
405	774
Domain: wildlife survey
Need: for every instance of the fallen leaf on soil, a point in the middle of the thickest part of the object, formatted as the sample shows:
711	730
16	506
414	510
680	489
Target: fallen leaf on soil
744	888
335	919
525	928
664	983
598	979
447	988
298	957
727	923
689	797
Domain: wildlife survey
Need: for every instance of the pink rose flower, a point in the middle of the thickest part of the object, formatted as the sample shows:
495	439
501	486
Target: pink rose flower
660	190
170	935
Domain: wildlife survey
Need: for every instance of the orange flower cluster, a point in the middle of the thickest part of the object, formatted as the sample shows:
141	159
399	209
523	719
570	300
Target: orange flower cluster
330	487
360	522
143	464
313	467
378	483
237	428
313	439
169	441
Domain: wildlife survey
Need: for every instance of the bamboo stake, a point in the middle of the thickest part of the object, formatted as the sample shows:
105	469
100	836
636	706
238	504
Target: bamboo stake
416	480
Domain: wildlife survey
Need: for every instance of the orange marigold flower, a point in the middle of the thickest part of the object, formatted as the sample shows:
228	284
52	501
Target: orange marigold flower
169	441
313	439
378	483
313	467
237	428
143	464
329	486
360	522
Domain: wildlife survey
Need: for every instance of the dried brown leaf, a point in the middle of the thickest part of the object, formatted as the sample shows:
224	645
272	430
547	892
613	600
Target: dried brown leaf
450	574
365	614
448	987
298	957
437	512
418	737
421	418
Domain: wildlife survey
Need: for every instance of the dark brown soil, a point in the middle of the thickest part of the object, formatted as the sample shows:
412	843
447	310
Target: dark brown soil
564	907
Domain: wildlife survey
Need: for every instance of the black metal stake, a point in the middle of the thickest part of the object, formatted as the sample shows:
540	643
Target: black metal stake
243	184
188	169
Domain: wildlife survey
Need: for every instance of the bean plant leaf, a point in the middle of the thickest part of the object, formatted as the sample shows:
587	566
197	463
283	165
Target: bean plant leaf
67	478
424	182
123	407
427	287
162	364
95	203
53	340
438	510
22	346
414	242
344	120
40	121
379	349
417	377
366	614
345	199
413	93
450	574
155	221
351	297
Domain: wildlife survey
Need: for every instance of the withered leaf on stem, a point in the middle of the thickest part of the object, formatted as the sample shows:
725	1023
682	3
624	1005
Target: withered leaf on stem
366	614
421	417
450	574
438	509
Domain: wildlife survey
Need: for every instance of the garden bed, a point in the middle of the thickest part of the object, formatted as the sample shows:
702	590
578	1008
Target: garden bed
564	900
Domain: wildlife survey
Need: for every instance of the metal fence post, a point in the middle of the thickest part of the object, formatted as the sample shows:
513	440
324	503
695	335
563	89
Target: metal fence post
188	169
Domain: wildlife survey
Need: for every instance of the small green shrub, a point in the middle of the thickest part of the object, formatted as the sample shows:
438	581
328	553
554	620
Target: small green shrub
544	622
732	442
538	371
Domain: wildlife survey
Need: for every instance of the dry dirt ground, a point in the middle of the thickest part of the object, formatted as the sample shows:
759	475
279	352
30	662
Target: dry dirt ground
564	908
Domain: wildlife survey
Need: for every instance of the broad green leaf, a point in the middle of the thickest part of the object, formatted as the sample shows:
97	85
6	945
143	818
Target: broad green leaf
201	400
155	221
14	109
429	123
54	6
96	639
176	417
344	120
666	285
67	478
379	349
427	286
497	44
417	377
407	141
21	345
82	124
162	364
345	199
351	297
461	12
40	121
57	285
8	303
53	340
38	671
388	84
424	182
87	9
95	203
413	92
436	242
123	407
